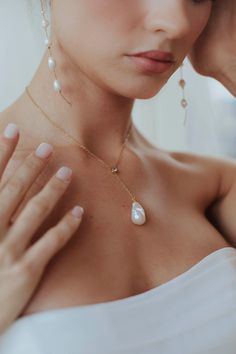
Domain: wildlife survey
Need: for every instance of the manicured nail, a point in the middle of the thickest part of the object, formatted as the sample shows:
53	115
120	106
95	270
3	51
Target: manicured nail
64	173
77	211
11	131
44	150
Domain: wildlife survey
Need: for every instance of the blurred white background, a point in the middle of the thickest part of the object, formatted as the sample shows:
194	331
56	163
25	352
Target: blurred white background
211	125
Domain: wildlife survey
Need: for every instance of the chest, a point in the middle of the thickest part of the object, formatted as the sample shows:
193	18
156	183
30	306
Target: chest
109	257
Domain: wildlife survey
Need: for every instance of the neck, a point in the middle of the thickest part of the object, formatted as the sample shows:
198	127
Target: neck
97	118
227	73
228	78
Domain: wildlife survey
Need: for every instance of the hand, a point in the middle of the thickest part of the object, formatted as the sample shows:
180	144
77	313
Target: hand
22	265
214	53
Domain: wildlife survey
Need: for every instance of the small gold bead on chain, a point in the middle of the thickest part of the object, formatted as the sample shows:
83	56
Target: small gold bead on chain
114	170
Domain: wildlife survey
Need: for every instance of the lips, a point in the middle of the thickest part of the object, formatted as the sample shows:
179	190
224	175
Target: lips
147	65
156	55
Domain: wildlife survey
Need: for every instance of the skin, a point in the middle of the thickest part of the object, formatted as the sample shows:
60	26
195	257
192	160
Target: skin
108	257
104	90
21	263
214	53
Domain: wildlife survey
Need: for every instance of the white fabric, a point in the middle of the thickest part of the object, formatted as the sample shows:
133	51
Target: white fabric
191	314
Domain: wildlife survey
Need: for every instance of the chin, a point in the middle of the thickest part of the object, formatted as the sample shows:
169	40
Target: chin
143	90
145	95
148	91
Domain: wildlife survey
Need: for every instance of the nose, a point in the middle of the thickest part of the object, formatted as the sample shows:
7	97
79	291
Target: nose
169	16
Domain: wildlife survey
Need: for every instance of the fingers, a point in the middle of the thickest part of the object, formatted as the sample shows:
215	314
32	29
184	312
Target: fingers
36	211
37	256
22	266
8	142
13	191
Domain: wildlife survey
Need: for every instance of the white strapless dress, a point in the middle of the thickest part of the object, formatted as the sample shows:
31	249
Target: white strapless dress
193	313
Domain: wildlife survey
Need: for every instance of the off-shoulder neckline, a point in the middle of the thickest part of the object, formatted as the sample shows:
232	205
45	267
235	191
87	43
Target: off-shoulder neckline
135	299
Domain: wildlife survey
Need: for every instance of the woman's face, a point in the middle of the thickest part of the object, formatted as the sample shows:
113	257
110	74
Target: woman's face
97	35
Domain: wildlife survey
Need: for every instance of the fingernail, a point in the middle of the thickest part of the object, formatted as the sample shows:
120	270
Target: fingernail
77	211
44	150
11	131
64	173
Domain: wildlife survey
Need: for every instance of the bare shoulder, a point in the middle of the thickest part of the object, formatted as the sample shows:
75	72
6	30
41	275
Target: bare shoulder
221	212
218	173
211	180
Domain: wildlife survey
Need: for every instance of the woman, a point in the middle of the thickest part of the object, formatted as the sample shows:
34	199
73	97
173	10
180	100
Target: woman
161	279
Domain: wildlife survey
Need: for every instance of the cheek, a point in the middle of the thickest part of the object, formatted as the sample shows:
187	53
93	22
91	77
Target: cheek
94	26
94	37
199	23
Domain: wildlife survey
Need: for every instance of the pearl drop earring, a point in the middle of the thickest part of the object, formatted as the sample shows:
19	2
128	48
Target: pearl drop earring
183	102
51	60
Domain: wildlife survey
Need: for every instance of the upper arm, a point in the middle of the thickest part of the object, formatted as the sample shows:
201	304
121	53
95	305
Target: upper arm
217	190
223	210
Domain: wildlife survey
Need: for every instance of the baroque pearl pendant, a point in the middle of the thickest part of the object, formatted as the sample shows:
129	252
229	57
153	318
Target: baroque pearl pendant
138	214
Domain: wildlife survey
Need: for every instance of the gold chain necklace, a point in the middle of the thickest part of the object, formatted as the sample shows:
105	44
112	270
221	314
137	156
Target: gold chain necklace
138	216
